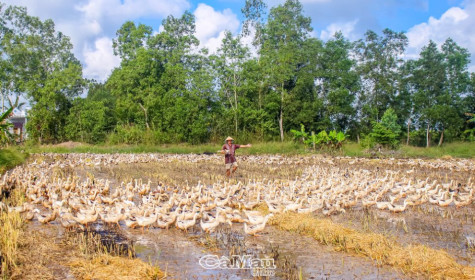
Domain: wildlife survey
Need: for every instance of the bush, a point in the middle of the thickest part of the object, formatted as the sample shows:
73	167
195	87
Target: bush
387	131
332	140
469	135
299	136
9	158
127	134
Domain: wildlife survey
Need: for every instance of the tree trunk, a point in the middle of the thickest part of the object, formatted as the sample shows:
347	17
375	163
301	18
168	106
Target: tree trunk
146	116
235	122
427	136
235	103
358	138
281	126
281	118
441	140
313	140
408	131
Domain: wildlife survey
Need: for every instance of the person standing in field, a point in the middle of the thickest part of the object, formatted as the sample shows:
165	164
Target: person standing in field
229	150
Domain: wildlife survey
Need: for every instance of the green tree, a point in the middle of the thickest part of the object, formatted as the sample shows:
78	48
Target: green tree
46	71
337	83
440	80
386	132
379	63
130	38
283	37
456	61
429	83
92	118
231	57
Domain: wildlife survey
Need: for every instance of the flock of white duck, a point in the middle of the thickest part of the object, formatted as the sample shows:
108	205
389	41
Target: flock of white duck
323	187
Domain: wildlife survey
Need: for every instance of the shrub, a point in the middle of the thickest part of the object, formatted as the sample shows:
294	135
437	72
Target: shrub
127	134
299	135
331	140
387	131
469	135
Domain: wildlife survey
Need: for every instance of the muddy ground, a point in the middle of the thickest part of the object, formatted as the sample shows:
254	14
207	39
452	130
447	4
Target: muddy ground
296	256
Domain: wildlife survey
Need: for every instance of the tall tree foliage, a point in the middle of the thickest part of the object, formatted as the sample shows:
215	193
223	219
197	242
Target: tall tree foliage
231	58
45	71
440	80
161	88
92	118
338	83
166	89
379	62
283	37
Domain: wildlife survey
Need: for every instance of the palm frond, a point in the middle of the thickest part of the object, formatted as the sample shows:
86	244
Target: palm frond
470	115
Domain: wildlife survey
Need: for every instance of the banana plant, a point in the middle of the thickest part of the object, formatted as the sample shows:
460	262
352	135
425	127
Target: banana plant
302	134
5	135
471	115
340	138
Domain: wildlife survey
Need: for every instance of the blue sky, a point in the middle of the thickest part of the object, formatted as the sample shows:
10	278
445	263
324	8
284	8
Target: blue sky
396	15
92	24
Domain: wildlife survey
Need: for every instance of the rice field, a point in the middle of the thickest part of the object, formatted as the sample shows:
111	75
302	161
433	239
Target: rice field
278	217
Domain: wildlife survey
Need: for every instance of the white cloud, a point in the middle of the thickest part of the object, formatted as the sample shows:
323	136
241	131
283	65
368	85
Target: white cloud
211	24
347	28
456	23
100	60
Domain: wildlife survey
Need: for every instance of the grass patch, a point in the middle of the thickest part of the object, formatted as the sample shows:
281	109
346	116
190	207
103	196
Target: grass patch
415	259
10	158
257	148
352	149
456	149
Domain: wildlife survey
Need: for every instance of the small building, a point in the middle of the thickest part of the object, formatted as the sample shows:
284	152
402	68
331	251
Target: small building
18	119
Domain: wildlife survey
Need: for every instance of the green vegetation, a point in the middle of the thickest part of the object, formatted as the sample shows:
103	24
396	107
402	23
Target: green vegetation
9	158
167	90
352	149
458	149
257	148
5	135
323	140
386	132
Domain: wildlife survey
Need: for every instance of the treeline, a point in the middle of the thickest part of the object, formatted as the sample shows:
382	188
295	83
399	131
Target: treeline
167	90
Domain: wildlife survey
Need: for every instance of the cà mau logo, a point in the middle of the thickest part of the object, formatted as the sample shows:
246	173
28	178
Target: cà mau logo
258	266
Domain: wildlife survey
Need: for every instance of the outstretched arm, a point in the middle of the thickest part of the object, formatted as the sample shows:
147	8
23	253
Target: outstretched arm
246	146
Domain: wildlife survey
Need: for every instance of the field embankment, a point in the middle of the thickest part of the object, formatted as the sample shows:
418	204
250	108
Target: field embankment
456	149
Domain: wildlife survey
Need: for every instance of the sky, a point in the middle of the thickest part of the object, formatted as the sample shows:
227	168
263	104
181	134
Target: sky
92	24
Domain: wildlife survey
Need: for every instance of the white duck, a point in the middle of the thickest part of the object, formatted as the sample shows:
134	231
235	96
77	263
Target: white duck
254	229
186	224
